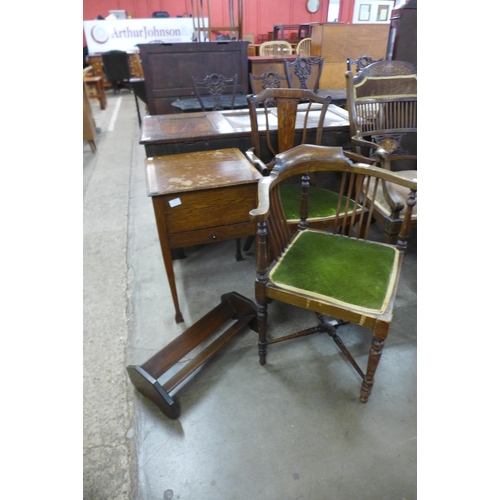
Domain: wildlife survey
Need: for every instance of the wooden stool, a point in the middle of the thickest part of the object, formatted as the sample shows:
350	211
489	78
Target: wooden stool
95	89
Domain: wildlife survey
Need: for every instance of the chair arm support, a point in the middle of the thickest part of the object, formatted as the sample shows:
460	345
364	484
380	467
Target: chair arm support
363	143
393	199
358	158
261	213
257	162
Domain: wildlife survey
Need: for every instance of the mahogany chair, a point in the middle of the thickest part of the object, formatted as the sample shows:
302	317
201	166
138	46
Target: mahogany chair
276	48
268	80
279	121
382	106
304	72
218	89
342	278
360	63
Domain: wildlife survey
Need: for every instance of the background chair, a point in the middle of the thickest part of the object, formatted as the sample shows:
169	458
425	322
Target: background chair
268	80
360	63
304	72
343	278
281	128
217	90
304	47
276	48
382	106
116	69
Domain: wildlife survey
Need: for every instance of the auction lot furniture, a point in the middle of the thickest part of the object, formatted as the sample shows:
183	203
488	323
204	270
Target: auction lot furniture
382	104
200	198
336	42
211	130
258	65
95	90
145	377
169	67
343	278
134	65
89	128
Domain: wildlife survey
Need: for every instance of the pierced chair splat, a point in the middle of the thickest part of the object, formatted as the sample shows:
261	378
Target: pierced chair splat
218	89
287	114
304	72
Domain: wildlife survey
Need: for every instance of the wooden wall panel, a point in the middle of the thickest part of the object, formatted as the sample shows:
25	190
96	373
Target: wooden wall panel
336	42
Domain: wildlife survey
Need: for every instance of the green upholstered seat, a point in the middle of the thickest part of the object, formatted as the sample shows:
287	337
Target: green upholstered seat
322	203
338	269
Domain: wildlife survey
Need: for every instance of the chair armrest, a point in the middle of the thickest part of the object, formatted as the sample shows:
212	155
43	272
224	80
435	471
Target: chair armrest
257	162
396	200
358	158
363	143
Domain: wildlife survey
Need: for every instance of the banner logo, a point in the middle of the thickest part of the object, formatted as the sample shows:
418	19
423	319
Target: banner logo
99	34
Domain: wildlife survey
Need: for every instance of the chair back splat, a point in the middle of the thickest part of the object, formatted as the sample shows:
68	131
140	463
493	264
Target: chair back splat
287	118
221	90
343	277
268	80
276	48
304	72
304	47
286	114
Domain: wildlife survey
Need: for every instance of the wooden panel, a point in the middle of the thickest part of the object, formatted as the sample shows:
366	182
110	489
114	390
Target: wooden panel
336	42
168	69
212	235
89	128
219	207
204	131
262	64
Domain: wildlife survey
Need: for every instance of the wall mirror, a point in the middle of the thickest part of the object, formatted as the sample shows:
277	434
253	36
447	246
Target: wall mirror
312	6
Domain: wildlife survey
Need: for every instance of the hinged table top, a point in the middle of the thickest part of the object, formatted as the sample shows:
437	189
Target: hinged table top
201	170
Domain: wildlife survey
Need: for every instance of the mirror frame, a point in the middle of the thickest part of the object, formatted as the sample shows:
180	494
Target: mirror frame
312	6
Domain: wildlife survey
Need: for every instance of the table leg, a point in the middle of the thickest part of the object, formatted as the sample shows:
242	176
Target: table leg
167	255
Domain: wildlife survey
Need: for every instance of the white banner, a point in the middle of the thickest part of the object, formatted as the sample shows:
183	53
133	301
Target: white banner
124	34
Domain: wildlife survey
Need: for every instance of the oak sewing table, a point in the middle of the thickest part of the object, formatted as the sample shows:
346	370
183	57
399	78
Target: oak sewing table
200	198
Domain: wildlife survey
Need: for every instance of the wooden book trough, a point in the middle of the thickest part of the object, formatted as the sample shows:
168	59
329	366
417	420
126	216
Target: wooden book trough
145	377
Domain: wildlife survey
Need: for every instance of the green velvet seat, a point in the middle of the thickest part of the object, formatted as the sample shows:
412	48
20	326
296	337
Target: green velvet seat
338	270
281	119
344	276
322	203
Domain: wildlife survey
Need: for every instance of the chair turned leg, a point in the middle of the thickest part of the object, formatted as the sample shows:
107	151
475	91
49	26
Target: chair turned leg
239	256
262	328
248	243
373	359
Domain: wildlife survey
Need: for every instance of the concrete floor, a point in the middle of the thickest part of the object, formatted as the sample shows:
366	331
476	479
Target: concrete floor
290	430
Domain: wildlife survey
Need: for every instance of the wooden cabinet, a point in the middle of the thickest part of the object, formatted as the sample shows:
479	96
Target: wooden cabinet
262	64
168	68
134	64
402	44
336	42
